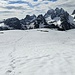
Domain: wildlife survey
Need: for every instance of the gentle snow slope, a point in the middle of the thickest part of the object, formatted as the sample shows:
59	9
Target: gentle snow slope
35	52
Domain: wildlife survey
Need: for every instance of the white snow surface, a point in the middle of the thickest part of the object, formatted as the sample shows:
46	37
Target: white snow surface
2	25
37	52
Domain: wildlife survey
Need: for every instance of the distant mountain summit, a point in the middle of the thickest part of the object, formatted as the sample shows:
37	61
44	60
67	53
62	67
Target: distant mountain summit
56	13
60	18
53	18
73	12
28	19
13	22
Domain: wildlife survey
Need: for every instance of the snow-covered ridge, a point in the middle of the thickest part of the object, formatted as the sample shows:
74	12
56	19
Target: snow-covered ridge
37	52
54	18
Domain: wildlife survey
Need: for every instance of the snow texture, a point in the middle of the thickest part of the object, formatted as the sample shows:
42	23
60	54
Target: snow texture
37	52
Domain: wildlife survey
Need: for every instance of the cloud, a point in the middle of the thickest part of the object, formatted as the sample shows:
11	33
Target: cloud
14	7
1	12
20	8
35	0
24	2
50	0
67	5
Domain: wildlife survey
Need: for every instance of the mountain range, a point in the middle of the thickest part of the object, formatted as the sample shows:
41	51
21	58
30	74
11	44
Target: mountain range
56	18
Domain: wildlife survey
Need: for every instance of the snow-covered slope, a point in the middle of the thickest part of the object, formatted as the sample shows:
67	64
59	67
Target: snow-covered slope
37	52
2	24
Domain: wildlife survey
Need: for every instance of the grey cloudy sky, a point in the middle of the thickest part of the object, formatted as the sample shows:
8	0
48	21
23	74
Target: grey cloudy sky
20	8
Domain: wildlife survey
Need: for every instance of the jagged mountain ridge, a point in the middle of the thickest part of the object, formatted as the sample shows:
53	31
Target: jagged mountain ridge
54	18
73	12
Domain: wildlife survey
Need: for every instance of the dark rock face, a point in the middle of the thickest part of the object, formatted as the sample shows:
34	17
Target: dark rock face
66	25
74	17
36	24
73	12
59	12
55	13
23	27
31	22
28	19
51	26
13	22
4	28
39	21
50	13
64	17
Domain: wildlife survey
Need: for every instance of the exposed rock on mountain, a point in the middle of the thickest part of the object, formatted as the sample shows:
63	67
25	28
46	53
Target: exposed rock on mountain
73	12
54	18
50	13
40	21
5	27
64	22
59	15
13	22
55	13
28	19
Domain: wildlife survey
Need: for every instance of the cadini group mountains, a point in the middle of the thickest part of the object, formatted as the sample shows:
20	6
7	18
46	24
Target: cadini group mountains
54	18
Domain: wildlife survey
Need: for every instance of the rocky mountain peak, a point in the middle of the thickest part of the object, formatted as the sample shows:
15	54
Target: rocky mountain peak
73	12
